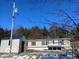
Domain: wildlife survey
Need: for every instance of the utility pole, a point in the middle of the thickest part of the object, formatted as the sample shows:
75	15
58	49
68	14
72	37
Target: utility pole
12	26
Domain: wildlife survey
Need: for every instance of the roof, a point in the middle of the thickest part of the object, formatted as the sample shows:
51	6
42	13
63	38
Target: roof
51	39
13	37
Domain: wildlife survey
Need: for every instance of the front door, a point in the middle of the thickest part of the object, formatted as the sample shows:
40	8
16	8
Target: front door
22	46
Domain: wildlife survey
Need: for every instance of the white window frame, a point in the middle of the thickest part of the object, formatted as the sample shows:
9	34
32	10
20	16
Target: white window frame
33	43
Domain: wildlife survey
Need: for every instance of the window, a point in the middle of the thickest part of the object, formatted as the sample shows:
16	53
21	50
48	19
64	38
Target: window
33	43
61	42
47	42
44	42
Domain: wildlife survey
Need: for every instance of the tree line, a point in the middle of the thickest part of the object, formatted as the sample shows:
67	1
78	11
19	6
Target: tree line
37	32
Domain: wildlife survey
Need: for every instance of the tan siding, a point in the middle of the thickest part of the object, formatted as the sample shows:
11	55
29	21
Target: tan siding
67	44
39	45
29	44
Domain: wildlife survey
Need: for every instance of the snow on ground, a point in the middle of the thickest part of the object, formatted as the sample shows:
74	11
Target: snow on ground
20	57
36	57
